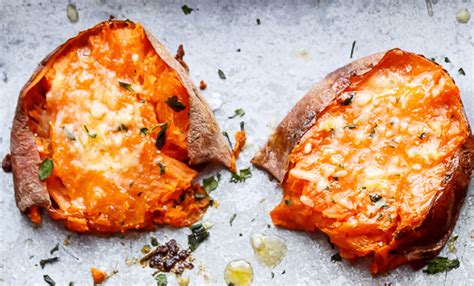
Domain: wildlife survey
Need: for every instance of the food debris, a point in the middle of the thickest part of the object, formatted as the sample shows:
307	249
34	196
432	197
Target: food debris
352	49
221	74
183	281
49	280
463	16
202	85
238	273
198	235
51	260
98	276
240	112
441	264
240	139
7	163
269	250
72	13
180	55
169	258
186	9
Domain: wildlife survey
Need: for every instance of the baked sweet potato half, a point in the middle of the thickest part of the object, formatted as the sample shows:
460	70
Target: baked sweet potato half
378	155
106	131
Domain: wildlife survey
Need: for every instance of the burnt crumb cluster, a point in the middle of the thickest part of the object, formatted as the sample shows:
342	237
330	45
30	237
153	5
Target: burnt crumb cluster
169	258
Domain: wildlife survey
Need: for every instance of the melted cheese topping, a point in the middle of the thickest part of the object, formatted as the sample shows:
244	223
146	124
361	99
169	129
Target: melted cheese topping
106	104
375	159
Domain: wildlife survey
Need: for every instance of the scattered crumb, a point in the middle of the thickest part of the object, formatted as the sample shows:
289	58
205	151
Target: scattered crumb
179	57
202	85
7	163
98	275
67	240
463	16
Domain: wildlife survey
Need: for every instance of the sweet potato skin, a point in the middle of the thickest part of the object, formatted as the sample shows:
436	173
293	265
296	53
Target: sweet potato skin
415	246
274	155
205	141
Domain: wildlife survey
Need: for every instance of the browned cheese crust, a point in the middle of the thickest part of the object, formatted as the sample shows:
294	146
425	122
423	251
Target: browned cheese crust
205	140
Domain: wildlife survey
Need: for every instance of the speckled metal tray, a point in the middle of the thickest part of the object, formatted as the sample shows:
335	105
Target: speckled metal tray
295	45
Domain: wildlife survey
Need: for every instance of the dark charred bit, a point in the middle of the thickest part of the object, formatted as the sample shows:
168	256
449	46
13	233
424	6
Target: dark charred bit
179	57
169	258
202	85
7	163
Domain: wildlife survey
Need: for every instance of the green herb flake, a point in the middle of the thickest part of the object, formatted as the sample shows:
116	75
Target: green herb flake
375	198
154	241
45	169
348	99
461	71
122	127
51	260
242	126
161	137
54	249
441	264
258	21
447	60
126	86
71	283
221	74
352	49
336	257
162	168
186	9
350	126
422	135
198	234
210	184
90	134
174	103
243	175
232	218
287	202
143	131
228	138
238	112
160	279
49	280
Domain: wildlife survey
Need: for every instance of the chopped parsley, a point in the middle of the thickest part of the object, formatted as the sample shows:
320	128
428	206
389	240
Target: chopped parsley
375	198
51	260
422	135
238	112
186	9
45	169
243	175
161	137
287	202
352	49
336	257
232	218
122	127
441	264
198	234
348	100
174	103
160	279
54	249
242	126
143	131
162	168
49	280
446	60
210	184
90	134
221	74
228	138
461	71
126	86
258	21
154	241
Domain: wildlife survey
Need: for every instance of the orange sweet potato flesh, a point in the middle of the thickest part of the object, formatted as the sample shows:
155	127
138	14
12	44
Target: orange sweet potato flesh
96	107
384	168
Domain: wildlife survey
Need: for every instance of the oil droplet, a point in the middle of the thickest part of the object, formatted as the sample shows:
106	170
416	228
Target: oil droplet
238	273
269	250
